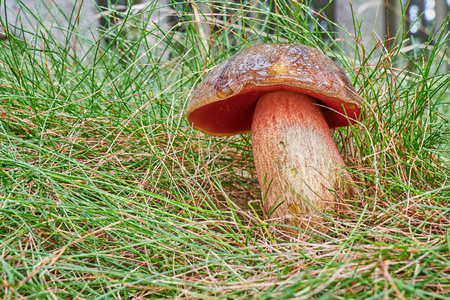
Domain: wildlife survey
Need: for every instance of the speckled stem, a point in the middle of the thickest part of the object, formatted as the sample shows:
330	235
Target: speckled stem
295	152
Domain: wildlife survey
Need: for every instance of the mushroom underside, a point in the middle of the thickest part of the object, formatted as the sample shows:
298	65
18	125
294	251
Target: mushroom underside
234	114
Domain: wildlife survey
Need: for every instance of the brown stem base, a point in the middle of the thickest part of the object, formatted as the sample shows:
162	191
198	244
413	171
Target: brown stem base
296	159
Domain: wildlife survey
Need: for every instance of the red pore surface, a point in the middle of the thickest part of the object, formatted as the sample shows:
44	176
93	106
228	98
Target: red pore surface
234	115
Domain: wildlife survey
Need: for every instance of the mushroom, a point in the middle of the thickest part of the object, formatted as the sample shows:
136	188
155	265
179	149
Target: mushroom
289	96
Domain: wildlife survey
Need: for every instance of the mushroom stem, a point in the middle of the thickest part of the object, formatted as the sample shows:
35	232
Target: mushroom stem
296	159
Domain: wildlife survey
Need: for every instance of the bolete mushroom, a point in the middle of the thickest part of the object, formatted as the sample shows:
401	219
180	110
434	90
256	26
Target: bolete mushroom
288	96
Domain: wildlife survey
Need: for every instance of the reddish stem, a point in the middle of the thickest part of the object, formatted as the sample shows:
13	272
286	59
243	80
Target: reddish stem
296	159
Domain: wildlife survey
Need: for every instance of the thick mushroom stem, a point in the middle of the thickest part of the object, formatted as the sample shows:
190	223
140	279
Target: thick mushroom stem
296	159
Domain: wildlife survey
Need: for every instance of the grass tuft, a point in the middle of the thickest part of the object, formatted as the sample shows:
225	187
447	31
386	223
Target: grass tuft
107	192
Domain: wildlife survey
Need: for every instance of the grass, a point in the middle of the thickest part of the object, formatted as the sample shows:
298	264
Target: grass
108	193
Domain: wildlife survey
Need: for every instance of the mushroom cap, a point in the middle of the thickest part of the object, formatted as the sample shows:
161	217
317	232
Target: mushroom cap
224	102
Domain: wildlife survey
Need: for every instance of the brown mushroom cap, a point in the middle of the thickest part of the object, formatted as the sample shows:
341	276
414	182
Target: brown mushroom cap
224	102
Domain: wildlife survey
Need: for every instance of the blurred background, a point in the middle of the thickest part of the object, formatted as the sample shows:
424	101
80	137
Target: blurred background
355	26
377	20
